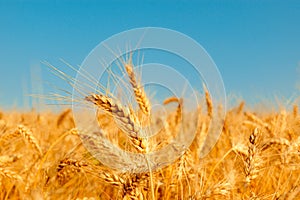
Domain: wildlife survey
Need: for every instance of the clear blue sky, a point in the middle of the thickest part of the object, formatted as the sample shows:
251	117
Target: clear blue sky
256	44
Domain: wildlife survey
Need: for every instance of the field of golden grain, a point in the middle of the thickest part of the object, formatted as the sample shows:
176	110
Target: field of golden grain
256	157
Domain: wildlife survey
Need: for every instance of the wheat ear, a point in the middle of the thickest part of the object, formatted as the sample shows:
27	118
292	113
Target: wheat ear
62	117
112	178
252	161
209	103
123	116
295	111
69	167
240	107
139	92
252	117
127	122
28	135
6	159
276	141
10	174
179	107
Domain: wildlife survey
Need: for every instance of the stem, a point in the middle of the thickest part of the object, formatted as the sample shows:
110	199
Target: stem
151	178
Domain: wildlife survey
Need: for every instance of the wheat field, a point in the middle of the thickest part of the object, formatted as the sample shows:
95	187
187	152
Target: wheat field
257	156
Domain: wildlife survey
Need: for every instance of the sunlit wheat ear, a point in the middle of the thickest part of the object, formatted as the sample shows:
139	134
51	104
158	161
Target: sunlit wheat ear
253	160
139	92
178	114
128	123
221	189
295	111
63	116
6	159
135	187
10	174
67	168
28	135
9	136
253	118
123	117
131	185
240	107
276	141
112	178
209	103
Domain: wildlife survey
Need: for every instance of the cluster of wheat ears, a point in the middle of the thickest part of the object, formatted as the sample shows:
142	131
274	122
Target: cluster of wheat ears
256	157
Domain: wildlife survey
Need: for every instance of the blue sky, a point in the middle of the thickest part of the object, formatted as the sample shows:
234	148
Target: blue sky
256	45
